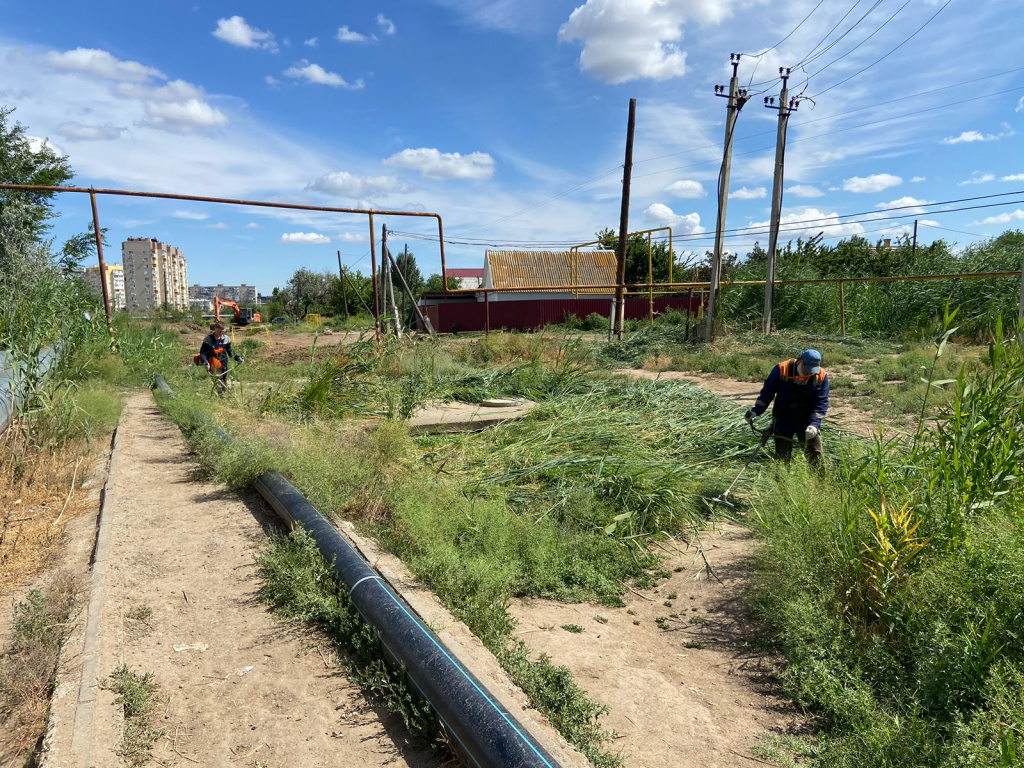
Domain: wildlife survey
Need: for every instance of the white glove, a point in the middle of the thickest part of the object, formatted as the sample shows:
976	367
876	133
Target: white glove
750	415
811	433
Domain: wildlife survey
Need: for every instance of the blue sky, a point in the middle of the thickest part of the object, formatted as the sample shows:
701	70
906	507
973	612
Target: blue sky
507	117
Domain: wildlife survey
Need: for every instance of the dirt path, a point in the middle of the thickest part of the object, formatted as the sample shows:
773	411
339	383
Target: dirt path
684	687
237	688
745	393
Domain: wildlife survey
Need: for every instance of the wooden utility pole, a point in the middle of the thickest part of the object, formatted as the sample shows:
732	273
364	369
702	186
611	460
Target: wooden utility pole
913	248
737	98
627	172
344	288
785	108
398	269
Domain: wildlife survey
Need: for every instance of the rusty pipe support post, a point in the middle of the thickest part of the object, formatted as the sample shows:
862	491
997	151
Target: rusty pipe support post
103	266
842	309
650	278
487	313
444	268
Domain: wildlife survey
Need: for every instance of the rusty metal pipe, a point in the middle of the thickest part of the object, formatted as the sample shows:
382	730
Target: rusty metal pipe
103	266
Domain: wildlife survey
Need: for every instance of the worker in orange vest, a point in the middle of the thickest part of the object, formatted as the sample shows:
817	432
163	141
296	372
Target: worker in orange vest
800	389
215	353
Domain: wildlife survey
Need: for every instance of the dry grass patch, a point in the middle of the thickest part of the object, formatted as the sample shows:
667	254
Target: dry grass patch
40	491
28	667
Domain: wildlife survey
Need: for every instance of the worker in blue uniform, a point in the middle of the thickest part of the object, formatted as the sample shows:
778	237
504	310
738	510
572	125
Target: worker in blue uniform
800	389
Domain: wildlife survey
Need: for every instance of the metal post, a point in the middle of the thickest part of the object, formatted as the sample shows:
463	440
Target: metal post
487	313
913	249
784	107
103	265
344	289
737	98
650	278
398	269
689	309
389	285
671	255
373	278
611	318
627	172
424	320
444	269
842	309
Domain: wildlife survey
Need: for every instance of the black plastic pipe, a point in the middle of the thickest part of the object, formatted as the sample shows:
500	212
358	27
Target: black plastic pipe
479	726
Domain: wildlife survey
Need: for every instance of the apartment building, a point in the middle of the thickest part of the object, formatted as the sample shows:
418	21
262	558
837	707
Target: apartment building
156	274
115	284
241	294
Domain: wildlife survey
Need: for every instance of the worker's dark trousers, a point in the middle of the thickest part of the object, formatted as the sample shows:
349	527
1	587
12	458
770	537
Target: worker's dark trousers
785	436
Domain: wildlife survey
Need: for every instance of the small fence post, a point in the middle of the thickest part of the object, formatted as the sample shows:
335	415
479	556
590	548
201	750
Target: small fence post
689	309
487	313
842	309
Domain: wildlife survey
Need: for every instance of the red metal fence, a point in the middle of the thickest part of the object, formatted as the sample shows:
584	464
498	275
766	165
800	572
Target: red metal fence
454	316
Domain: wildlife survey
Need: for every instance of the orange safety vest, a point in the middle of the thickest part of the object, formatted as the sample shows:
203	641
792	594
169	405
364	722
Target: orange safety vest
788	369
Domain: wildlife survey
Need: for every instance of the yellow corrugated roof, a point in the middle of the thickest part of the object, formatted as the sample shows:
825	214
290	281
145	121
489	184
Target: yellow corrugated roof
551	269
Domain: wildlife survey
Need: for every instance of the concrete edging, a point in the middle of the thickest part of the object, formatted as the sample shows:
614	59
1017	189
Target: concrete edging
85	684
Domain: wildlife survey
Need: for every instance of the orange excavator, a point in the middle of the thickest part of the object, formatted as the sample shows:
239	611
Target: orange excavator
243	315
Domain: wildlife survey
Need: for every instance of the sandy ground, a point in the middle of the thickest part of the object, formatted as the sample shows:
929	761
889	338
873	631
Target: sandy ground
237	688
745	393
689	693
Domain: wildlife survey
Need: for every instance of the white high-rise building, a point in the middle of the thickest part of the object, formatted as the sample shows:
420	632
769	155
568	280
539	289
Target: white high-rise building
155	274
115	284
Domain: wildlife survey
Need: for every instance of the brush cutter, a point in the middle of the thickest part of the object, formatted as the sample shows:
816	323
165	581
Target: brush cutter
766	435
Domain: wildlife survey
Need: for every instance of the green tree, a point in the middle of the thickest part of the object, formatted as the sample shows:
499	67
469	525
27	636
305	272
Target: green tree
22	163
306	291
435	285
638	267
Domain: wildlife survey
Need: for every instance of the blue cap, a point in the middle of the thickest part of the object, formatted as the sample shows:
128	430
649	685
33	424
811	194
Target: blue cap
812	360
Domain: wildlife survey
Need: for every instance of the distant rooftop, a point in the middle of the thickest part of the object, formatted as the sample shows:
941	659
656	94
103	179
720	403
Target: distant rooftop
466	272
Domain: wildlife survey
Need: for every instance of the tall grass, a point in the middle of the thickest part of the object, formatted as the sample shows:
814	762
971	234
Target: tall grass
898	595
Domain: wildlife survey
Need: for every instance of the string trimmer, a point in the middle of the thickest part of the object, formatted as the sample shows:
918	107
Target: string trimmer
765	435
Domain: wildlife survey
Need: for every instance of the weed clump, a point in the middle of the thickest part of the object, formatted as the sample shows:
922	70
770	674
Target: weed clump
136	695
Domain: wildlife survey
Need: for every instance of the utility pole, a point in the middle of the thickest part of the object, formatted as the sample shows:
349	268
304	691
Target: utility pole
627	173
388	285
785	107
401	275
913	248
737	98
344	288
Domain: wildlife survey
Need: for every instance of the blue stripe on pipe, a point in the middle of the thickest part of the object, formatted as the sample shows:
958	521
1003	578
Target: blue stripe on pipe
465	674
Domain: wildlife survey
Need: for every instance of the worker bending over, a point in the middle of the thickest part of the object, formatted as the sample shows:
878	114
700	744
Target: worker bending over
215	353
799	388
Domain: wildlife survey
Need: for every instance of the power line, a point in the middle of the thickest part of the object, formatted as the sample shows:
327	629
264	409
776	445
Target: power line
836	42
887	55
758	56
837	115
858	45
842	130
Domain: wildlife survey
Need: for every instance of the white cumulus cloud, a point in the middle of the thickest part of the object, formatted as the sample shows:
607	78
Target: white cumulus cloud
346	35
310	238
977	178
190	116
968	137
627	40
1005	218
1013	177
37	144
252	225
662	215
910	204
175	90
434	164
804	190
809	222
874	183
74	131
237	31
102	64
351	237
190	215
686	189
311	43
744	193
345	184
314	73
387	26
918	179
